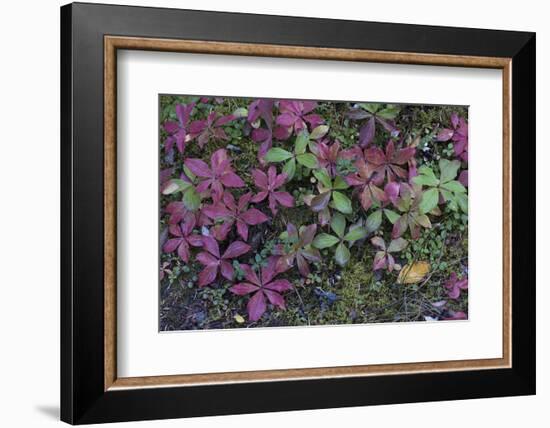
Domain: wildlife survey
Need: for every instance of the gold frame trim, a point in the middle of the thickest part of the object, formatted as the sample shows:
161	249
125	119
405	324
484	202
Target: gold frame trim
112	43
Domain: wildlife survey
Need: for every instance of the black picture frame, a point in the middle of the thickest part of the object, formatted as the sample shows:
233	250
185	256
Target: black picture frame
83	398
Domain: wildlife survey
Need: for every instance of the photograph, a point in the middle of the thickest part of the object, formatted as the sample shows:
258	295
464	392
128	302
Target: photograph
295	213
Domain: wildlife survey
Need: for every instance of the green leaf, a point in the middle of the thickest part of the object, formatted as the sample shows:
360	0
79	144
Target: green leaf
308	160
191	199
338	224
448	169
396	245
389	113
189	173
462	200
341	254
426	177
341	202
175	185
355	234
324	240
371	108
374	220
454	186
301	143
391	215
429	200
319	132
277	154
323	177
241	112
339	183
290	168
423	220
447	196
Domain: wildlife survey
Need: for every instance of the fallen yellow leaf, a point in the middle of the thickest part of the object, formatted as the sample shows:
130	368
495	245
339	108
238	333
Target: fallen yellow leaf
239	318
413	273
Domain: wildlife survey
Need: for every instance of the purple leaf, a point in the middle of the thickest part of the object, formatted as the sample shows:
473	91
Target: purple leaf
211	246
275	298
198	167
445	134
284	198
236	249
171	245
226	270
208	275
391	191
256	306
206	259
243	288
230	179
242	230
463	178
254	216
250	275
260	179
366	134
320	202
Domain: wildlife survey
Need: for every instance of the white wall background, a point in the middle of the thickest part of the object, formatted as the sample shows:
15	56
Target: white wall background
29	215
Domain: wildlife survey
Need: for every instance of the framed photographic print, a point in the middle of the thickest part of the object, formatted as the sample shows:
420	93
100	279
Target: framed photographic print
266	213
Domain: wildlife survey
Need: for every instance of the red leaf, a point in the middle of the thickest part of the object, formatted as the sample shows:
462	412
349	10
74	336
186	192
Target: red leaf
275	298
226	270
250	275
198	167
445	134
391	191
244	200
221	231
256	306
236	249
403	155
171	245
230	179
219	161
375	155
195	240
320	202
224	119
399	227
242	230
208	275
211	246
379	260
254	216
286	119
307	235
270	270
259	197
279	285
206	259
243	288
463	178
366	134
216	211
260	179
183	251
303	265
